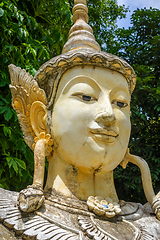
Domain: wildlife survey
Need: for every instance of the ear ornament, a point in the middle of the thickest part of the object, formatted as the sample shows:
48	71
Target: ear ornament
125	160
47	141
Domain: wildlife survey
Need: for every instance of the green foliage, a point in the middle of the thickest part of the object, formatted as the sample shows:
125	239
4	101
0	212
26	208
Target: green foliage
27	41
33	31
103	17
140	46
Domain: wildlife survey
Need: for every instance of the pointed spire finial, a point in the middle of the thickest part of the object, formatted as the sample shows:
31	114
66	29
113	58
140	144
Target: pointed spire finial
80	11
80	34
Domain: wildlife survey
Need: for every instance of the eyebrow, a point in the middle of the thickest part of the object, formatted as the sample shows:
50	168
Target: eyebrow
83	79
119	88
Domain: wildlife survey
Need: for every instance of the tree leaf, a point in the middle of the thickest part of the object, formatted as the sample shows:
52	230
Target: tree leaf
20	163
7	131
12	163
8	114
3	109
1	12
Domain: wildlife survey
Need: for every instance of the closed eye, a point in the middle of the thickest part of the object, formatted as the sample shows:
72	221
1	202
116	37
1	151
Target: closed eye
85	98
120	104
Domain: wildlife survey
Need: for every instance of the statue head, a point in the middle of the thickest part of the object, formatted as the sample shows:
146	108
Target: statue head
81	98
91	118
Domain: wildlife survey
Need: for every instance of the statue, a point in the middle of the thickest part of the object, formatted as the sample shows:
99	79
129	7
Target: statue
76	111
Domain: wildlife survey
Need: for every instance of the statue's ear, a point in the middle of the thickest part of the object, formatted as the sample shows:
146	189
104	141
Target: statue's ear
38	116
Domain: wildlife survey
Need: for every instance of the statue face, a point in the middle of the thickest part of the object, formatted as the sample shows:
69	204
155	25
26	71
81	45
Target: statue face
91	118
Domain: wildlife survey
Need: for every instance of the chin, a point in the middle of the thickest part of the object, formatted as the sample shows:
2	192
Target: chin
96	163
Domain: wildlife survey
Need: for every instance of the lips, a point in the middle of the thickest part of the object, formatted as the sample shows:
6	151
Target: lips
104	135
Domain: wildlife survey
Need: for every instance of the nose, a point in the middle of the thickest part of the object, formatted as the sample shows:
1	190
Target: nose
105	114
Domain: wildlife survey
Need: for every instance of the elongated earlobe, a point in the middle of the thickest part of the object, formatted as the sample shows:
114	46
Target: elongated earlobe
31	199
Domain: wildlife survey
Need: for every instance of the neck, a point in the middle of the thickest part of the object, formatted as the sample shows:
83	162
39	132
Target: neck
73	182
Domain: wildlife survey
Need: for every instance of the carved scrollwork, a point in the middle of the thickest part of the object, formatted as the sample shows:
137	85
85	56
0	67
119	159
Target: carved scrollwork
156	206
94	231
25	91
33	226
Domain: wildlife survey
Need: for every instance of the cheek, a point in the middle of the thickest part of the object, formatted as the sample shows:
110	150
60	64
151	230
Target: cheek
71	117
70	130
123	121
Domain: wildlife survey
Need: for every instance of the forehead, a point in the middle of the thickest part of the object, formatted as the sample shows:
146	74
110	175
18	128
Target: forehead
103	77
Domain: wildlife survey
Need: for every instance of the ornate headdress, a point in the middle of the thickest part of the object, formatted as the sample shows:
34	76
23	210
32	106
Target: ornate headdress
80	49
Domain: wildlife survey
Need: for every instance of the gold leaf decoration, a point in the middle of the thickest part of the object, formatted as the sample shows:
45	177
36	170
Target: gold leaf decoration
25	91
